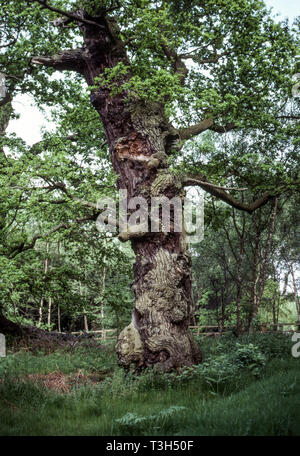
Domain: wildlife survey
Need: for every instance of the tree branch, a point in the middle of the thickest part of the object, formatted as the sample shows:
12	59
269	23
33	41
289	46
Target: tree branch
221	194
177	64
213	59
206	124
22	248
113	7
72	16
223	129
194	130
44	142
11	43
6	99
289	117
210	185
70	59
61	186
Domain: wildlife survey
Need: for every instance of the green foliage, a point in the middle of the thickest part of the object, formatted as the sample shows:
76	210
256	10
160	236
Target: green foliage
249	356
271	345
226	371
151	403
227	365
87	359
131	423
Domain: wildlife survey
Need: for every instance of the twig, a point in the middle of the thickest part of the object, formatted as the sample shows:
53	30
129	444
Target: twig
71	16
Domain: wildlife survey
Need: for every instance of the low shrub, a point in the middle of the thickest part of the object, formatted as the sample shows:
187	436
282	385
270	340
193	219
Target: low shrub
249	355
132	423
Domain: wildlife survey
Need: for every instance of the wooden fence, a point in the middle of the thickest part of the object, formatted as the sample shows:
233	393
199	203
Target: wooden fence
105	335
265	327
101	334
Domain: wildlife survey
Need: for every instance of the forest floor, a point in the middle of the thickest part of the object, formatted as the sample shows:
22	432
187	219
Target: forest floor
246	386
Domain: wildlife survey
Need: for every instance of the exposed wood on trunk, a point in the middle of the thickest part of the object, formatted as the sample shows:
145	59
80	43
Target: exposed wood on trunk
40	312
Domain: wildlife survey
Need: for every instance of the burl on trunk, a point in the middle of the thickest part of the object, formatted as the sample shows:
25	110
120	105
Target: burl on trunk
139	138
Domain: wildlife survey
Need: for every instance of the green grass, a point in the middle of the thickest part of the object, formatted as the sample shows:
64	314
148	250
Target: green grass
264	404
91	359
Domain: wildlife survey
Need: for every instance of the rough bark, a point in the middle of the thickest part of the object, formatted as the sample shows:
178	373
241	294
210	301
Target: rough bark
138	136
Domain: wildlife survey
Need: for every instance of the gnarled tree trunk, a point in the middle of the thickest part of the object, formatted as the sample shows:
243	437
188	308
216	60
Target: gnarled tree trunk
138	136
139	139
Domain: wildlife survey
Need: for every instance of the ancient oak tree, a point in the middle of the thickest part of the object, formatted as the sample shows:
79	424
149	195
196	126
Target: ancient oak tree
161	73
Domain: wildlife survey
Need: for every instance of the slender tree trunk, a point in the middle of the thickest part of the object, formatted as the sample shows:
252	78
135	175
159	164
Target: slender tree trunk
241	235
42	299
238	308
41	312
58	319
262	265
274	309
103	292
278	308
285	283
221	328
50	298
58	306
217	307
268	250
239	261
297	302
255	276
85	321
49	313
239	291
276	305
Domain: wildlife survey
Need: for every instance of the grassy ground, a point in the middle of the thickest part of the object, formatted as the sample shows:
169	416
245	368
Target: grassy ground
252	388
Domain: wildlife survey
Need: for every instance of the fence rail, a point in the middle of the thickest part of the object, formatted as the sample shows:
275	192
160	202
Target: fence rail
110	334
103	334
278	327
